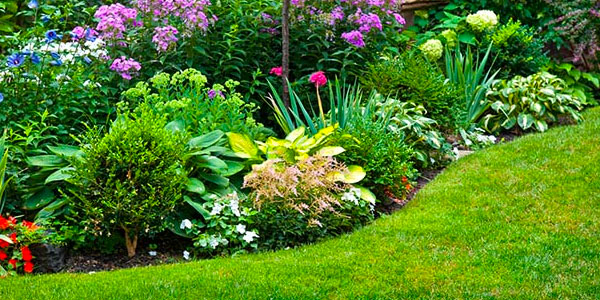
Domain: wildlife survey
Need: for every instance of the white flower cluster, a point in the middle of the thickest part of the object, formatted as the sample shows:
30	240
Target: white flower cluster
482	20
352	195
68	51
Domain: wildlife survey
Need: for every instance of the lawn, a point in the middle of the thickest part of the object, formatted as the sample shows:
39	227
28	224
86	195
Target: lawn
516	221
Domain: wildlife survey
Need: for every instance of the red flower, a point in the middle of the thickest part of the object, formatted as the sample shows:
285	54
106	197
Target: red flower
30	225
4	223
26	254
408	187
3	255
277	71
28	267
404	179
13	237
318	78
4	244
13	262
13	220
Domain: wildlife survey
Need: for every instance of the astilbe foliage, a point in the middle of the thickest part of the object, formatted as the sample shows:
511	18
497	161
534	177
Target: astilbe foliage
301	203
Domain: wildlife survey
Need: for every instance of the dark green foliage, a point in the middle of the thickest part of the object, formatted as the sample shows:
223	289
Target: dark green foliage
384	155
411	78
130	179
281	227
517	49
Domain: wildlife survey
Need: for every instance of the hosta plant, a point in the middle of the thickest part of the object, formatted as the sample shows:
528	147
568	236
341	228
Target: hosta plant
530	103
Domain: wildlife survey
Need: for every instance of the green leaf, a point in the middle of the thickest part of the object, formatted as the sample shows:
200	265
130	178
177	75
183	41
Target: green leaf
525	120
206	140
330	151
51	209
5	238
175	126
60	175
467	38
366	194
65	150
242	145
45	161
595	79
354	174
198	207
216	179
233	167
541	125
39	199
194	185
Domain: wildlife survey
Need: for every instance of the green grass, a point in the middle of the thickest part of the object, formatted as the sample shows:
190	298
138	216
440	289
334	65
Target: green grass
517	221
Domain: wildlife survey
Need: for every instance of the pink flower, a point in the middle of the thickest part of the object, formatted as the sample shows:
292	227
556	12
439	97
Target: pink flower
318	78
77	33
125	67
277	71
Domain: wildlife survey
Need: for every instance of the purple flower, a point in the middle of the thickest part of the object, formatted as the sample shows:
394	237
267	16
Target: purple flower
125	67
45	18
400	19
1	97
15	60
212	94
164	37
354	37
90	34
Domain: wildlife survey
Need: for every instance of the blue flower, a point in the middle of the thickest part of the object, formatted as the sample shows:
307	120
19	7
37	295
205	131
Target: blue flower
87	60
55	55
90	35
45	18
15	60
56	63
51	35
33	4
35	59
1	97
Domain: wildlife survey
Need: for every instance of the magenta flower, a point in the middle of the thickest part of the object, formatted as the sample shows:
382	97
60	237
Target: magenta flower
77	33
277	71
354	37
126	67
318	79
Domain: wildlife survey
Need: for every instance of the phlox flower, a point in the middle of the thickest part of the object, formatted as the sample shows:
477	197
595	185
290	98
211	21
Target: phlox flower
355	38
277	71
126	67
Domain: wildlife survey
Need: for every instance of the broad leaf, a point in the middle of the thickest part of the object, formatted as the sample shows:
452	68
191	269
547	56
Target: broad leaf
195	186
206	140
525	120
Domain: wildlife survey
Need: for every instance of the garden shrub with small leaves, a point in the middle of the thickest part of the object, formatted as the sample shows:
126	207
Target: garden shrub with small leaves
130	179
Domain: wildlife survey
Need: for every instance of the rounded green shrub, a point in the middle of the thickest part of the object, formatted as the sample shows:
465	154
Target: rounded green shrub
130	179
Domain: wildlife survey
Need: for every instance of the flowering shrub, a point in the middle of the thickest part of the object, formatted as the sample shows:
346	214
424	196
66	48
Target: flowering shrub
482	20
15	239
225	226
355	19
185	98
432	49
301	202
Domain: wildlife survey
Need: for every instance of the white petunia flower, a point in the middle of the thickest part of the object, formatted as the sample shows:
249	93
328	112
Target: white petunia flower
249	236
241	228
186	255
214	243
152	253
186	224
216	209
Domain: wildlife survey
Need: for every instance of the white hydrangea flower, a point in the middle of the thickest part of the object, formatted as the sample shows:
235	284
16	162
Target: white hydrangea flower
482	20
249	236
432	49
185	224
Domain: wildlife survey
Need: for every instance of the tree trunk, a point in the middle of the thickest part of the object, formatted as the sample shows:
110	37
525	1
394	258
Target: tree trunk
129	243
285	61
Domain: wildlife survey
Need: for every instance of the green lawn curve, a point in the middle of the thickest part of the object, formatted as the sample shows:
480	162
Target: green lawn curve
517	221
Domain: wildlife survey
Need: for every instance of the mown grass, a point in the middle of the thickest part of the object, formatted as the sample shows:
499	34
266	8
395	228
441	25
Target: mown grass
517	221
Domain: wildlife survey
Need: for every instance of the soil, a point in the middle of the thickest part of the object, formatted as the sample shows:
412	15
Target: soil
393	204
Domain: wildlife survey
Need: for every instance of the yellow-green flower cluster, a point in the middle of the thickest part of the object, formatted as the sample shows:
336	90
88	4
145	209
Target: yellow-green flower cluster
432	49
482	20
450	36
